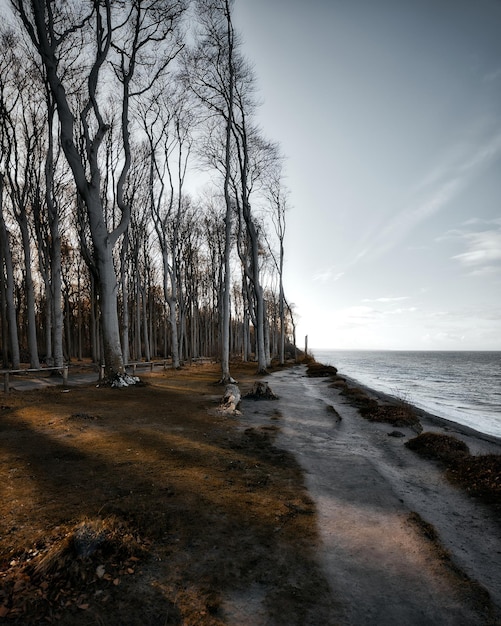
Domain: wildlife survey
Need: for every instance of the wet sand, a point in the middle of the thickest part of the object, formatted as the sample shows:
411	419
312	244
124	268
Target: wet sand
374	497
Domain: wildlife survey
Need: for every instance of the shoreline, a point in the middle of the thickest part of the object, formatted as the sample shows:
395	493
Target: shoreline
396	537
426	417
456	388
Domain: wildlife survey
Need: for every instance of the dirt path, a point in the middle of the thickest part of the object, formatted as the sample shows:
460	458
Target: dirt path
383	564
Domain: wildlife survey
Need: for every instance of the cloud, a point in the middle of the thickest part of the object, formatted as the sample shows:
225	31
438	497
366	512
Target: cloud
436	191
385	300
463	158
327	275
483	249
487	270
355	316
400	311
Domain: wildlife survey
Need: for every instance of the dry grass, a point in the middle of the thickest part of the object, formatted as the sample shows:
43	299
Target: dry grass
480	476
397	413
318	370
141	506
439	447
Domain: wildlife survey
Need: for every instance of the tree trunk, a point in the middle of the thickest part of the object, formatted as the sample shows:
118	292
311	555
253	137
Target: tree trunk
147	349
170	299
9	287
112	350
29	292
56	293
56	312
125	299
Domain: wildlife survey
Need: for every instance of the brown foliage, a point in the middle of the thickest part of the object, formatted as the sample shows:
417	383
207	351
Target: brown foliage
480	476
437	446
396	413
318	370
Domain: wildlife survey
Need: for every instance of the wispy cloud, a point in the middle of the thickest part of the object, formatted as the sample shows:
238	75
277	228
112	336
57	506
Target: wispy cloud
327	275
483	247
436	191
402	311
476	149
386	300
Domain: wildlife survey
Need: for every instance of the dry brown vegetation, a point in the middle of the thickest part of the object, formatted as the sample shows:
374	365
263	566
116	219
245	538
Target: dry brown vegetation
480	476
396	413
144	506
319	370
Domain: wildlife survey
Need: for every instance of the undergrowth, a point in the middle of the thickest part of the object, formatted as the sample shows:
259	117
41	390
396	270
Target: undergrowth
479	476
398	413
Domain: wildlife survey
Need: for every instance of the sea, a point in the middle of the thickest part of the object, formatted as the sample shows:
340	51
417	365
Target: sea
463	387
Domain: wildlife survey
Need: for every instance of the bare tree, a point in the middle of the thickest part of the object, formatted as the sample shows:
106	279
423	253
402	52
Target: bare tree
6	263
23	128
212	79
123	39
278	197
224	83
168	123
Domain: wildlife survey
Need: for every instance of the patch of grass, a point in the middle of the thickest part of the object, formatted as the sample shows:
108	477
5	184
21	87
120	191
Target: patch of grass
339	383
479	476
68	568
319	370
398	413
439	447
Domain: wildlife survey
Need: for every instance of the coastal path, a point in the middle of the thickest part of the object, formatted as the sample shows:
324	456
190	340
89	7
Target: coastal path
379	506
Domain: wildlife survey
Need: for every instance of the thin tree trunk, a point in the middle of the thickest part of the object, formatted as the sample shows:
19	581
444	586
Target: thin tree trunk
29	293
55	243
125	299
9	288
147	351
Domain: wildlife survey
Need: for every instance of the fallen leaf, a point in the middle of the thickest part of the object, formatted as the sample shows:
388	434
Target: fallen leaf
4	611
100	571
84	607
116	582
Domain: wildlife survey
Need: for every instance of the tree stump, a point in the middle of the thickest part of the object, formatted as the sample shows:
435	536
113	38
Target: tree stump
230	401
261	391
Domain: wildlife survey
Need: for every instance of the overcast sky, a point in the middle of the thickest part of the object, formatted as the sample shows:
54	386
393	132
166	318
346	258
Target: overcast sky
389	112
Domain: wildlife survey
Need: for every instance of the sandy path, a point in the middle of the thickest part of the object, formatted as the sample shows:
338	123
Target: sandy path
381	567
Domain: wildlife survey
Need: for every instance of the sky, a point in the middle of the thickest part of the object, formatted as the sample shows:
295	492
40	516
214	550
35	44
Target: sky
389	114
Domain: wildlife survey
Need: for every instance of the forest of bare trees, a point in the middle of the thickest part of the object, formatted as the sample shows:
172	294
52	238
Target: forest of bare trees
142	211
